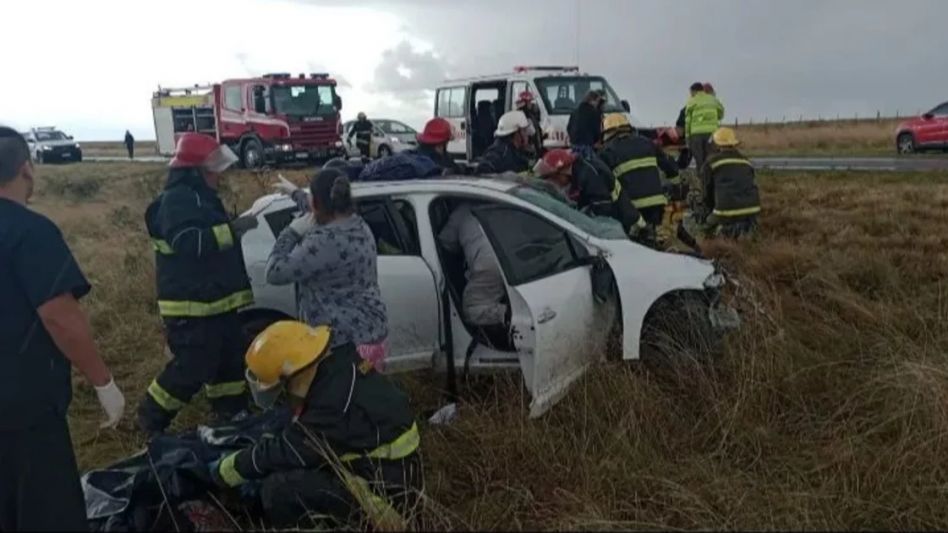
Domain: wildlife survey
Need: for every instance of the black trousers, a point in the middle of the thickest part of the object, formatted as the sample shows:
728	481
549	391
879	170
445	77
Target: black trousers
698	145
131	151
653	215
364	146
208	352
289	497
39	481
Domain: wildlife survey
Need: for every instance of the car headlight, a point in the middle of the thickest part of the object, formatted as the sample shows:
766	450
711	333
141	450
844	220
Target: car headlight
395	140
46	148
77	146
286	147
338	143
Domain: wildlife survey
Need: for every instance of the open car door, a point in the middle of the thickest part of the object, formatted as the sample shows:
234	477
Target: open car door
554	317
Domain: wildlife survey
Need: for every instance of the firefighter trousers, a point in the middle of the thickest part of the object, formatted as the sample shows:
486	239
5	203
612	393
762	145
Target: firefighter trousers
208	352
293	498
39	481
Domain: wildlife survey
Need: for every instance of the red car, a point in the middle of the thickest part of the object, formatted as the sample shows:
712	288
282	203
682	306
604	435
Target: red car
927	132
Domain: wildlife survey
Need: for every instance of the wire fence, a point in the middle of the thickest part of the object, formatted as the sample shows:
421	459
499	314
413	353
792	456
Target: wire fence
803	120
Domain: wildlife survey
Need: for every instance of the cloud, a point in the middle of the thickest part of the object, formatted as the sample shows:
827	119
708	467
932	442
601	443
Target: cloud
406	72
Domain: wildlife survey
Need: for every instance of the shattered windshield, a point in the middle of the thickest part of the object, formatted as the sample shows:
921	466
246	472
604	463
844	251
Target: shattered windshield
601	227
303	100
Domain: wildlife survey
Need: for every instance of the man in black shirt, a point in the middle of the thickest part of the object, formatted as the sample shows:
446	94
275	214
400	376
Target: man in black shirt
362	129
42	330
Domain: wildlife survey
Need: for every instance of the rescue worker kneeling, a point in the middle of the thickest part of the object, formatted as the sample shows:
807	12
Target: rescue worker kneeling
730	188
352	444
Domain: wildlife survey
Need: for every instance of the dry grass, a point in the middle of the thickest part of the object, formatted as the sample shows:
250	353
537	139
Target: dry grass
829	410
840	138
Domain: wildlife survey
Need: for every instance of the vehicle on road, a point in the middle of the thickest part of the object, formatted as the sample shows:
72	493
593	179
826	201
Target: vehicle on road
50	145
271	120
474	105
389	137
574	283
927	132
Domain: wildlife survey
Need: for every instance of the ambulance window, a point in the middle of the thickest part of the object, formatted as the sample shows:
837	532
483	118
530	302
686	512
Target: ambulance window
232	98
451	102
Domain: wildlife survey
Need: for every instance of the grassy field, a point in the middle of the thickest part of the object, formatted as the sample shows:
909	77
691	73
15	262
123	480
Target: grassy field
821	138
116	148
828	410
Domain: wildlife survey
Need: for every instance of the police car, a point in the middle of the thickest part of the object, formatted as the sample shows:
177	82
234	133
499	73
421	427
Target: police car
574	283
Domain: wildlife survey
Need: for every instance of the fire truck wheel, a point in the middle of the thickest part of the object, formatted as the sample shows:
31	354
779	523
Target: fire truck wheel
252	154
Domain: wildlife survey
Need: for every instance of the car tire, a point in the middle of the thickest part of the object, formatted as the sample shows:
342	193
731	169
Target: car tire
905	144
384	151
678	333
251	155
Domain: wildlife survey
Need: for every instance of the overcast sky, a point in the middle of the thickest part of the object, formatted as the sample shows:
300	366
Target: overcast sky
90	66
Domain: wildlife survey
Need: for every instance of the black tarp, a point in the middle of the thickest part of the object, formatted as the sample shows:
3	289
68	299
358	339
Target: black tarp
145	491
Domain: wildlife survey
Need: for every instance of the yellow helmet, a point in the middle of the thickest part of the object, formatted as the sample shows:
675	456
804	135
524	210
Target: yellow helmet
285	349
725	137
614	123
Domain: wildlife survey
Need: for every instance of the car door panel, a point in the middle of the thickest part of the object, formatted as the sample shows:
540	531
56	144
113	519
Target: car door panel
411	301
553	311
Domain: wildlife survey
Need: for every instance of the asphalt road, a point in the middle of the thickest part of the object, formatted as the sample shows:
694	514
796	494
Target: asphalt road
878	164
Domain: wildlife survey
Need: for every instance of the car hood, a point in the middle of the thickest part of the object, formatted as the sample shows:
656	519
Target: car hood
644	275
57	143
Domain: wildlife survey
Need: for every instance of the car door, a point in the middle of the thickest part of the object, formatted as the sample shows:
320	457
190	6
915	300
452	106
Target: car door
554	316
941	127
406	281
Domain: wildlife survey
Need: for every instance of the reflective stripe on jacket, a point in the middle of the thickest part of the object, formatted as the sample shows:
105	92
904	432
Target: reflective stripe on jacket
730	185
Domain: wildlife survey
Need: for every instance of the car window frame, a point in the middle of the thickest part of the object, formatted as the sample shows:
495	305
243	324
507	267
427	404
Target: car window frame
513	277
940	110
408	242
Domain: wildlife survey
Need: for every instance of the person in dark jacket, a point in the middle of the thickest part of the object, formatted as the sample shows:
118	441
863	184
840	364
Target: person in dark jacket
202	283
635	162
351	450
433	144
684	154
730	188
527	103
362	130
585	123
130	144
509	153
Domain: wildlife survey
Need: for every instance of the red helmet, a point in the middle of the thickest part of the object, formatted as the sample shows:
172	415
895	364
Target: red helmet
554	161
199	150
524	98
437	131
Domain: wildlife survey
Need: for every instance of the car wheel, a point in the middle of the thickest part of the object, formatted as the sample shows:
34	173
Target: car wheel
678	332
384	151
252	154
906	143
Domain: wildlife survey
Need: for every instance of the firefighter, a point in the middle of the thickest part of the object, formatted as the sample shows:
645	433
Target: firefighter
43	330
433	144
635	162
362	129
202	283
130	144
352	444
589	184
527	104
730	188
585	123
509	153
703	115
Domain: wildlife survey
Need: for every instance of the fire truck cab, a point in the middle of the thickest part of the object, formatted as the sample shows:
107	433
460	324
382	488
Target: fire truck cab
273	119
474	105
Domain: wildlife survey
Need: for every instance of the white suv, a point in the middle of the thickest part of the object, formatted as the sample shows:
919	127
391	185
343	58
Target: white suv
48	145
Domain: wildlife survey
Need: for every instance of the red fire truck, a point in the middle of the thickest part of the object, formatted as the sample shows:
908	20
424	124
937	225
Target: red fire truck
273	119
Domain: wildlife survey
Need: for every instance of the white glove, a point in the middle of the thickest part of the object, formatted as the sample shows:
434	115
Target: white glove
285	186
113	403
303	224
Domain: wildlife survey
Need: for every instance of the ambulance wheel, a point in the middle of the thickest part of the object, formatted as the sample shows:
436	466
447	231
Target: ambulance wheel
251	156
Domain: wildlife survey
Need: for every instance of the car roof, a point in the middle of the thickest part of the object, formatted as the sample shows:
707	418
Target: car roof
446	184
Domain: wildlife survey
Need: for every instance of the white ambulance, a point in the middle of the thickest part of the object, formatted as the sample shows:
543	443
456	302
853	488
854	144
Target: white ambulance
474	105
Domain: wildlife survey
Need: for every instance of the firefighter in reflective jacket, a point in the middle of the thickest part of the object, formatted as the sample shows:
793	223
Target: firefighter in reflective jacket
635	162
362	129
202	283
351	447
730	188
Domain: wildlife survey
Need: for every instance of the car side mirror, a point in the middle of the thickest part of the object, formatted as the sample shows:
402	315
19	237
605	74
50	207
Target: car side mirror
626	106
337	102
69	137
928	116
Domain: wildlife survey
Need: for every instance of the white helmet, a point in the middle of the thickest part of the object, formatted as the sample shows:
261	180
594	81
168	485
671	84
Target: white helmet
511	121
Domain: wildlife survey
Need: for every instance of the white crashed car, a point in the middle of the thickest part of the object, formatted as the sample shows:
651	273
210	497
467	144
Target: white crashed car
573	281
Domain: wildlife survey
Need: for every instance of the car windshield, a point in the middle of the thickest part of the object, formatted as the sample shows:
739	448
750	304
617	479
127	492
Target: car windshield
561	94
397	128
303	100
601	227
50	136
